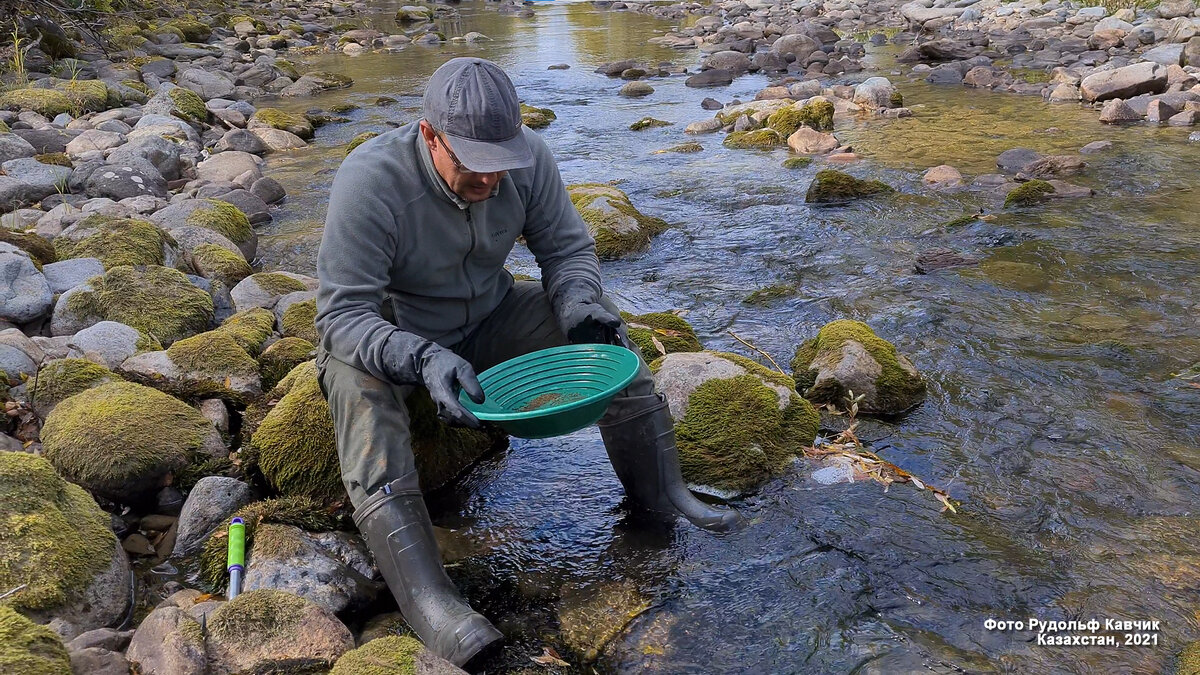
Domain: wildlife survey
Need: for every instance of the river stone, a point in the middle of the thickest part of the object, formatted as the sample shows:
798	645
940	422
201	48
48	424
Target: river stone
210	503
707	126
98	661
289	559
1116	111
945	74
189	237
240	140
636	89
67	274
103	638
1095	146
162	154
226	166
1054	165
710	78
176	217
19	341
681	373
192	380
108	343
15	194
1139	78
847	356
1187	118
250	292
168	642
269	190
1165	55
1159	111
1170	9
24	293
1012	161
812	142
1064	92
43	179
278	140
15	362
13	146
875	92
207	84
47	140
21	219
152	124
269	631
734	62
798	45
94	139
943	175
119	182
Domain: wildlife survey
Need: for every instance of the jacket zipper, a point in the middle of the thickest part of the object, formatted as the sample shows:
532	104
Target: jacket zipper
466	272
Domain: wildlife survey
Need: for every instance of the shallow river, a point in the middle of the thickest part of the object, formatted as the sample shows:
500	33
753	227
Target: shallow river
1052	413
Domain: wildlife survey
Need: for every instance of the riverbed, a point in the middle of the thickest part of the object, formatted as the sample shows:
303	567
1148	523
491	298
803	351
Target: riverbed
1053	415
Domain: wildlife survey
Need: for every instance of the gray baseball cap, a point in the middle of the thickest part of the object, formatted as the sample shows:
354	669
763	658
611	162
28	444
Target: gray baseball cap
475	105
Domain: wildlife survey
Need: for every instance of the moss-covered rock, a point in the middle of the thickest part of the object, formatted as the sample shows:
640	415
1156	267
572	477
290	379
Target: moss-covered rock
48	102
122	440
797	162
86	95
1029	193
685	148
55	159
648	123
359	140
269	631
61	379
737	422
158	301
617	226
191	30
55	539
278	119
593	616
1189	660
250	328
29	649
759	139
847	355
816	114
211	364
767	295
38	247
223	218
281	357
392	655
834	187
669	330
116	241
537	118
300	320
213	261
189	104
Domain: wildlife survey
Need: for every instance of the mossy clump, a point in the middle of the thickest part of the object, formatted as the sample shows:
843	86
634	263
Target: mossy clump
251	614
278	119
759	139
648	123
189	104
896	100
114	241
1029	193
537	118
670	330
767	295
53	537
300	320
212	356
192	31
734	435
685	148
27	648
359	140
797	162
287	67
158	301
1189	660
834	187
895	389
816	114
86	95
214	261
281	357
223	218
617	226
47	102
122	439
61	379
38	247
392	655
328	80
250	328
55	159
276	283
591	617
960	221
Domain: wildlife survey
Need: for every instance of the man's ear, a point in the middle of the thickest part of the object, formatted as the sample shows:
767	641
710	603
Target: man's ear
427	131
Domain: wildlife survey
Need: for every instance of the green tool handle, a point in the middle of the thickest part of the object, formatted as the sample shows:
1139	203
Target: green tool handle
237	544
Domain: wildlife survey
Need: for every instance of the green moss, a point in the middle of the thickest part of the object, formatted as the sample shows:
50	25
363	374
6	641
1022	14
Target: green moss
53	537
146	343
441	451
342	108
259	26
896	100
392	655
796	162
1189	660
275	283
1029	193
682	148
29	649
281	357
38	248
4	128
214	355
223	218
834	187
192	31
115	241
158	301
108	436
60	379
895	388
817	115
769	294
287	67
277	541
762	372
648	123
759	139
961	221
299	320
330	80
255	617
47	102
85	95
189	104
250	328
359	140
537	118
278	119
55	159
617	226
301	512
294	447
671	330
187	477
139	87
214	261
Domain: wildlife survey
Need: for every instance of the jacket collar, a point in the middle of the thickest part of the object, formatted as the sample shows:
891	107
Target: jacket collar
435	179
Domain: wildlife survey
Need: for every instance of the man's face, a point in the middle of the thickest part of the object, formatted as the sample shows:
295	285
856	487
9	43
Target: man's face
468	185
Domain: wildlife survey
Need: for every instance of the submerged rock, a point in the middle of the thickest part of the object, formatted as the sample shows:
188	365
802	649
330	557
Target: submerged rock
590	617
618	227
834	187
848	356
1029	193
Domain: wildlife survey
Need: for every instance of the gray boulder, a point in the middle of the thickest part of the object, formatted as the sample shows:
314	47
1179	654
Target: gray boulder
14	194
24	293
710	78
211	502
1165	55
1117	111
734	62
1139	78
14	361
119	182
43	179
875	92
163	154
13	146
240	140
94	139
331	569
207	84
226	166
269	190
108	343
47	139
798	46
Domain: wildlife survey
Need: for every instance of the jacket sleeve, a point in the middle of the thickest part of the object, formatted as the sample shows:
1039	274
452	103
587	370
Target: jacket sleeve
357	251
554	230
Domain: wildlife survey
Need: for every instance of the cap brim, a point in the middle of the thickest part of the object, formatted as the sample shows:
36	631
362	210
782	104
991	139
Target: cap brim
492	156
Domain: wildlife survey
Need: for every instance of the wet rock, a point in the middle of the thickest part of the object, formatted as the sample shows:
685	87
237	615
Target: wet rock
848	356
636	90
210	504
289	559
25	294
265	630
592	617
731	61
710	78
64	551
394	654
1016	275
875	92
102	638
1139	78
227	166
812	142
1054	165
168	642
618	227
945	74
98	661
1014	160
1095	146
941	258
1117	111
1159	111
1065	190
834	187
312	83
269	190
711	104
943	176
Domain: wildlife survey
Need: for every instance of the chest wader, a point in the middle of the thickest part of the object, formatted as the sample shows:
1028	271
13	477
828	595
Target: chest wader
639	435
399	533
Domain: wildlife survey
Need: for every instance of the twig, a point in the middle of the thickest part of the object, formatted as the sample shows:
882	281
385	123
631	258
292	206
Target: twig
768	356
18	588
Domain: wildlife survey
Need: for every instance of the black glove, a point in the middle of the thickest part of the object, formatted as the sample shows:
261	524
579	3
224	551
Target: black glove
583	319
442	372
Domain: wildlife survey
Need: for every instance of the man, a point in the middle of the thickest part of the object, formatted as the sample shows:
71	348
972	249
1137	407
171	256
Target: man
414	293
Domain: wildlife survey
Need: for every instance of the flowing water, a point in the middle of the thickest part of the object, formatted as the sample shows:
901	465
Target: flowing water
1052	412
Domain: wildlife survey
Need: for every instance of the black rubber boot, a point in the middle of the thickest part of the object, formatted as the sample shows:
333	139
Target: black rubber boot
398	531
639	435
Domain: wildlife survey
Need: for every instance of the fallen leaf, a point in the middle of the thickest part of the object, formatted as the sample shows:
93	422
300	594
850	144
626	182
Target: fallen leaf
549	658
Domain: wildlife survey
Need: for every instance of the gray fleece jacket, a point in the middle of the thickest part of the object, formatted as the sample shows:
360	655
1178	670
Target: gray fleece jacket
401	252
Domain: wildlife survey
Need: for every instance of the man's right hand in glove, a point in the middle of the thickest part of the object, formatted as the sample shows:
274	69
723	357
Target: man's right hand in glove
443	373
